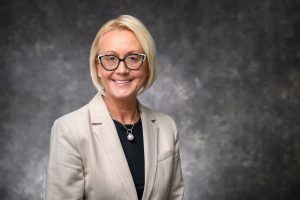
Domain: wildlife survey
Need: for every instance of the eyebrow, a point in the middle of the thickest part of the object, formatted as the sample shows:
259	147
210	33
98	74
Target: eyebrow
115	53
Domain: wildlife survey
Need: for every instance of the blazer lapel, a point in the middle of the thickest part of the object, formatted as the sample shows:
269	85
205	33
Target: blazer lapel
107	136
150	131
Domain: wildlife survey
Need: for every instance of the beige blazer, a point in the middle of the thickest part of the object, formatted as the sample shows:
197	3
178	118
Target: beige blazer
86	159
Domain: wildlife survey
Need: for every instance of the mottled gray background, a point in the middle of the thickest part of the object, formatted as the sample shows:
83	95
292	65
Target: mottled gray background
229	74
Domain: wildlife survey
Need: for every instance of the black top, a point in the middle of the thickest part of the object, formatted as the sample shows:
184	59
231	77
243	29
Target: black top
134	152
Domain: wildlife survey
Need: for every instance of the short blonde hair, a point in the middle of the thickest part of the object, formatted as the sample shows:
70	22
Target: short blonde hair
143	35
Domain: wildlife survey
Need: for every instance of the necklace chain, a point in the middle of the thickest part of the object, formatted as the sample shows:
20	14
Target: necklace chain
130	136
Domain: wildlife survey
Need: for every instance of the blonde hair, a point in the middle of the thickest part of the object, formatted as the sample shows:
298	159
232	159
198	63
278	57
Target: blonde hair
143	35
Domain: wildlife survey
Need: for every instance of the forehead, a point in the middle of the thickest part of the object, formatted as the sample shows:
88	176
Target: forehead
119	41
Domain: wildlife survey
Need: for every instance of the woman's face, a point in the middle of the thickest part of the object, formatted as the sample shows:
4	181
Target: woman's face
121	83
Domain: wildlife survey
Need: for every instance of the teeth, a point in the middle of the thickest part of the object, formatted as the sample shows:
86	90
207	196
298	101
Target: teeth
124	81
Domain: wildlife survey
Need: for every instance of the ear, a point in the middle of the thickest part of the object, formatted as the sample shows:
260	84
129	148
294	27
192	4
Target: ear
97	66
147	70
98	71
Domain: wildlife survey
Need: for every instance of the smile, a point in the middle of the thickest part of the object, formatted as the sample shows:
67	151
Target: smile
121	81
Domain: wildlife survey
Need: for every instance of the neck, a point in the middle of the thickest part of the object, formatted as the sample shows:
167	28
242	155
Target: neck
124	111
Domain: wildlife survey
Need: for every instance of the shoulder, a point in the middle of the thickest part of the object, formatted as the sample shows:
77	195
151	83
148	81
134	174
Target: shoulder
71	128
75	117
161	119
164	118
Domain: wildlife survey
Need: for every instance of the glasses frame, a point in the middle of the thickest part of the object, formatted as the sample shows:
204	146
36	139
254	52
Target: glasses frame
123	59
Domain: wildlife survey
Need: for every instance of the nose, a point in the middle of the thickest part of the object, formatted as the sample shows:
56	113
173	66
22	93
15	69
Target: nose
122	69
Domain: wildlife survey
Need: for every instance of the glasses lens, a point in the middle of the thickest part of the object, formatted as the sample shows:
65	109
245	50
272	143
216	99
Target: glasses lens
109	61
134	61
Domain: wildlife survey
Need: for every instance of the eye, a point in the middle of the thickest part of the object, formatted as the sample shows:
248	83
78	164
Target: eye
110	58
133	58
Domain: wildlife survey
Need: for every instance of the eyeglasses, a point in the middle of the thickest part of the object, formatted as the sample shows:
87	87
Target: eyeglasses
131	61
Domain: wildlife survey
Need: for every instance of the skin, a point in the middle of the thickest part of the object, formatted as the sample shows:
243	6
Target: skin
121	85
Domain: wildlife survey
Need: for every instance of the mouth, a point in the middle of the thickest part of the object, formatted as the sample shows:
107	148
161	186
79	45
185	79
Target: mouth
121	82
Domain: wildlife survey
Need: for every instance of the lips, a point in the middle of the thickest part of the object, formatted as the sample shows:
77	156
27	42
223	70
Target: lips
121	81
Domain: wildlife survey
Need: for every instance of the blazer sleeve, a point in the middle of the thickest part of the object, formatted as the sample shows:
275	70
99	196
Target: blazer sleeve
65	170
177	187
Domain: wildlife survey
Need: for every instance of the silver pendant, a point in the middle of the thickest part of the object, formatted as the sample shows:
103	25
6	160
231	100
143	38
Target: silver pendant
130	137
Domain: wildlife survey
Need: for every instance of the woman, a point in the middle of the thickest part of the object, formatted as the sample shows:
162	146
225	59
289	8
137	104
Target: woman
114	147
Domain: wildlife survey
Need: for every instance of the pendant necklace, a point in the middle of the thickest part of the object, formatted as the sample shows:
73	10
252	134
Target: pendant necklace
130	136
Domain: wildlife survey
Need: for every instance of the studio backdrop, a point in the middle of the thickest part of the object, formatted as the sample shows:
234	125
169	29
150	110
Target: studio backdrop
228	73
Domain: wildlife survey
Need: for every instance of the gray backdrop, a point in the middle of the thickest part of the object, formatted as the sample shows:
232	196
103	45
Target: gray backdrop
229	75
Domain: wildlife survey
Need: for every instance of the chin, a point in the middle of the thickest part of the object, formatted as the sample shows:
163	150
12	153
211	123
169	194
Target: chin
124	95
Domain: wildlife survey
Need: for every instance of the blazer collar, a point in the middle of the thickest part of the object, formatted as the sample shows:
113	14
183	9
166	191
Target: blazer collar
107	136
150	131
99	112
